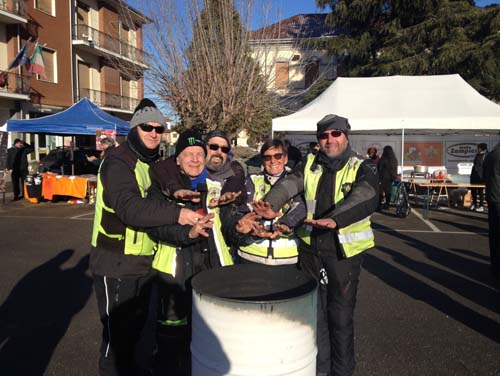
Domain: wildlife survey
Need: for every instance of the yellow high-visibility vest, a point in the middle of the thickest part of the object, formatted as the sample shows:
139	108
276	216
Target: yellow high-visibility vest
136	242
282	250
355	238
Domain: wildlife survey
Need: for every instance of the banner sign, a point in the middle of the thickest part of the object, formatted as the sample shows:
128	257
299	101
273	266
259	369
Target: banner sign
423	153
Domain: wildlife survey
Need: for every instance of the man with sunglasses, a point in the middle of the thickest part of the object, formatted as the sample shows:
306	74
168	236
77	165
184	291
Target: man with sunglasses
219	166
341	193
270	242
122	252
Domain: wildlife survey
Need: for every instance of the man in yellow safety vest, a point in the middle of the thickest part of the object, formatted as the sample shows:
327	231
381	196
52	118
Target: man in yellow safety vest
341	193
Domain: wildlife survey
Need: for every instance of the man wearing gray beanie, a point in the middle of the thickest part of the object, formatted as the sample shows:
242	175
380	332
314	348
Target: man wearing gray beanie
122	252
341	192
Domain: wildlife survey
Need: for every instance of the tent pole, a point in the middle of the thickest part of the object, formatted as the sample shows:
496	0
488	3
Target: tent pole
402	151
72	155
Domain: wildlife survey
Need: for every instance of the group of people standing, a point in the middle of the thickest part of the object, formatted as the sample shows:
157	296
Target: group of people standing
387	166
159	223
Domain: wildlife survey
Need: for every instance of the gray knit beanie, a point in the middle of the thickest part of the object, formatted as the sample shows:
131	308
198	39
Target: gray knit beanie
145	112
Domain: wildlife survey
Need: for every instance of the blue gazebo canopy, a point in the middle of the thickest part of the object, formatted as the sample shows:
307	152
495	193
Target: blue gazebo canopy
83	117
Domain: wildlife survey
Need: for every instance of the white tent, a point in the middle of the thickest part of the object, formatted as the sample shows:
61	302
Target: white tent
398	104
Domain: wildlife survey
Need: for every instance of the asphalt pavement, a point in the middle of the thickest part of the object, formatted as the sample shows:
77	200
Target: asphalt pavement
427	304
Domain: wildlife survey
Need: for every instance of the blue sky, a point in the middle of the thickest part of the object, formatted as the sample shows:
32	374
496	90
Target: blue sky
288	8
281	9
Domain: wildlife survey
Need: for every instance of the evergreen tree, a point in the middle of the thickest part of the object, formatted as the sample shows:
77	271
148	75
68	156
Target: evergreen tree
419	37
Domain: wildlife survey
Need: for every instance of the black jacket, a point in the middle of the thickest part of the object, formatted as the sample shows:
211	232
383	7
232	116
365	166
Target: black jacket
121	192
17	159
476	175
360	202
387	169
492	175
177	235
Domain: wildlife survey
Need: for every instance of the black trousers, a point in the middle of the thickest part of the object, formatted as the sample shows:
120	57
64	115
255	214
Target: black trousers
477	196
18	179
173	336
123	309
494	235
338	285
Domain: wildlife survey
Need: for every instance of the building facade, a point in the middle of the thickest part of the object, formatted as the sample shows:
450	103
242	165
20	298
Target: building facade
290	58
90	48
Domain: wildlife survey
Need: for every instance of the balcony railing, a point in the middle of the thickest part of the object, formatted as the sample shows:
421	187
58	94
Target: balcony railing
17	7
103	99
13	83
107	42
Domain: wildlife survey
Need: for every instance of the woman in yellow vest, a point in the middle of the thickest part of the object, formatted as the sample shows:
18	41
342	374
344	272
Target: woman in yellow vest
273	241
341	192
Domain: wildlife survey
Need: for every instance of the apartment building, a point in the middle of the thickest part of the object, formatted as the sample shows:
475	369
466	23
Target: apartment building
14	87
289	57
90	48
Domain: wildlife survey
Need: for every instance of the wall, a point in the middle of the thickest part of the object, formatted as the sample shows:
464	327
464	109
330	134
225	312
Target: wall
268	55
55	31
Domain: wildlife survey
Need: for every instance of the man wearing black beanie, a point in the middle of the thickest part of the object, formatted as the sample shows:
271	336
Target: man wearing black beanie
122	252
341	192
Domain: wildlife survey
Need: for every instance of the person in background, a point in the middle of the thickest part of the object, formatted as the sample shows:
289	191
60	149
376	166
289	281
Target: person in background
341	193
388	173
372	154
313	148
17	165
239	228
106	143
294	155
491	169
476	177
122	252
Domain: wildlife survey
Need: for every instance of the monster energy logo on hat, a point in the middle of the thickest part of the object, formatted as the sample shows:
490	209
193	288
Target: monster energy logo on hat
187	139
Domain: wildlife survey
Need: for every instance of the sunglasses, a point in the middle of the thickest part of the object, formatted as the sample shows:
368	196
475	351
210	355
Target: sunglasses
149	128
336	133
269	158
224	149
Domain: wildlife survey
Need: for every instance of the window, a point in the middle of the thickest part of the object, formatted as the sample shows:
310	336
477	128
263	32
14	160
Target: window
311	72
46	6
50	62
281	81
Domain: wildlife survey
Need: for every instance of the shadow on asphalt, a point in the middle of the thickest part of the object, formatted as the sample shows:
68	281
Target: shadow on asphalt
480	231
38	311
482	292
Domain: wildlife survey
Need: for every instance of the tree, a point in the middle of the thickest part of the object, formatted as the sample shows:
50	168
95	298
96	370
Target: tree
420	37
201	66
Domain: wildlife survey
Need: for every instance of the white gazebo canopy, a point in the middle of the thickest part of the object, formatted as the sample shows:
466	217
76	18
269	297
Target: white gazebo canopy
399	104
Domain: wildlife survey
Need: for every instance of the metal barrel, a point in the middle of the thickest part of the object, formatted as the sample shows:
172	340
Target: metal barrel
253	320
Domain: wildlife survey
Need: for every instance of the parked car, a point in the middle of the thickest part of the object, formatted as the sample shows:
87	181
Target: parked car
59	161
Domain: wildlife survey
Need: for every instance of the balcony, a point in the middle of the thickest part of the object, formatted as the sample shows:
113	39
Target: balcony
108	101
102	44
13	12
14	86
